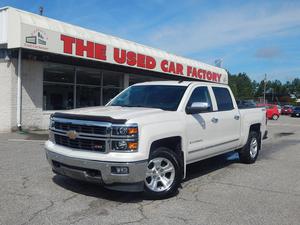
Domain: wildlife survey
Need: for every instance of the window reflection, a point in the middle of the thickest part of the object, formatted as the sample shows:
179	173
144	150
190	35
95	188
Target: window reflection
90	87
109	93
63	84
58	96
87	96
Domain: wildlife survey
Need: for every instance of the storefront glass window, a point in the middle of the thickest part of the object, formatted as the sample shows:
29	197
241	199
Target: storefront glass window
85	77
60	74
58	96
109	93
67	87
58	88
135	78
112	85
87	96
112	79
88	88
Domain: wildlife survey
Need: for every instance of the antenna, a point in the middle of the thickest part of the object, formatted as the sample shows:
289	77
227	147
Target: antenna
41	10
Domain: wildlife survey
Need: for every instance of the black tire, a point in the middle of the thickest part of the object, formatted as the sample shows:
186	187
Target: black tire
275	117
166	153
245	153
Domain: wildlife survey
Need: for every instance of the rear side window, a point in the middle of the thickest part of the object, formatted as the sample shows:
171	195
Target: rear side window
200	94
223	98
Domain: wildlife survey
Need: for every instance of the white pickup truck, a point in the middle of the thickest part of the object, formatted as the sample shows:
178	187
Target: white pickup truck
144	138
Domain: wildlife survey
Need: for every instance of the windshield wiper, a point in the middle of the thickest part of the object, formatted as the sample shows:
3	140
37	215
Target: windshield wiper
134	106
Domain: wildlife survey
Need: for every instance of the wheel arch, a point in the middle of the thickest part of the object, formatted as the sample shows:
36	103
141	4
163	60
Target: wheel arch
256	128
173	143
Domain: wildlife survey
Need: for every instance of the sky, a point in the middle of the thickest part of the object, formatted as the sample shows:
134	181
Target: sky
255	37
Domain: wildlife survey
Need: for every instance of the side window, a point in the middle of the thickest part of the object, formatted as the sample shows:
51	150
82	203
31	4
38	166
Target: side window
223	98
200	94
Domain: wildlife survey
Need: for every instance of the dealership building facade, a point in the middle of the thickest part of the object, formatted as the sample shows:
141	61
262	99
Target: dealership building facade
47	66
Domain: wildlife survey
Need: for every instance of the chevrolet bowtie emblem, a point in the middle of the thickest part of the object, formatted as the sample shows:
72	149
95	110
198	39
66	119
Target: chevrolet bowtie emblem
72	134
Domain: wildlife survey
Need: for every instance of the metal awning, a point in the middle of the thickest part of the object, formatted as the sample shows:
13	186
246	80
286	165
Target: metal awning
20	29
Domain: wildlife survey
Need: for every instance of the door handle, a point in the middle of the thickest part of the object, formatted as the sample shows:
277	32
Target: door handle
236	117
214	120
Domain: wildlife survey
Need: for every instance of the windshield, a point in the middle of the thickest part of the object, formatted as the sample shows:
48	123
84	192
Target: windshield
165	97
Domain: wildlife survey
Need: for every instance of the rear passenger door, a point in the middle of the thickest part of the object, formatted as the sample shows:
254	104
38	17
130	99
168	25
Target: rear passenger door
227	119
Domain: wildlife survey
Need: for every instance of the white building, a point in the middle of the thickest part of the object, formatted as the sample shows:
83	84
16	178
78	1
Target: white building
47	65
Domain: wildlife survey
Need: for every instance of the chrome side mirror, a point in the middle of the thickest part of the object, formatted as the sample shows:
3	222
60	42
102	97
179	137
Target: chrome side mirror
197	107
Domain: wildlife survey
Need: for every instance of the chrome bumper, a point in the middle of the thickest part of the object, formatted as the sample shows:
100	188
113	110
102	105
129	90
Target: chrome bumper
99	172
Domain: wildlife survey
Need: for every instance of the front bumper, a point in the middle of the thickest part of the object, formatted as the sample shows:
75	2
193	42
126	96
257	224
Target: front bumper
99	172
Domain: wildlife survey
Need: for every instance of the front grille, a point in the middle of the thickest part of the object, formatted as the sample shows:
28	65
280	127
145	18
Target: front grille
81	128
80	143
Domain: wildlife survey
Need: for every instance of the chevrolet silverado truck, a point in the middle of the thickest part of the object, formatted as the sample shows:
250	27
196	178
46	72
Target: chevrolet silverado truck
145	137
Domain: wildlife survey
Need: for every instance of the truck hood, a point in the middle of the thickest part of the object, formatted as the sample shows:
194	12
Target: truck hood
117	112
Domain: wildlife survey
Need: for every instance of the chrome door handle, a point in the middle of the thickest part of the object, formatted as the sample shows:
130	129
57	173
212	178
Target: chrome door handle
214	120
236	117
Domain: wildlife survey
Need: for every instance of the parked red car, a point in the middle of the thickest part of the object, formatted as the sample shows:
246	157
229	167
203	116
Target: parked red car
287	110
272	111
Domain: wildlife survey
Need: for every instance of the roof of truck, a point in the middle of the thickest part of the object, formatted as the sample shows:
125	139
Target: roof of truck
177	83
181	83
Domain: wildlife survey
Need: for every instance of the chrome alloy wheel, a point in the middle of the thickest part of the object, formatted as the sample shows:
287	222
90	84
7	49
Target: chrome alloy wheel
253	147
160	174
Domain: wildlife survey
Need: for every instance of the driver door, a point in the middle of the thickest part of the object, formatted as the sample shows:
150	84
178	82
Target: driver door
201	130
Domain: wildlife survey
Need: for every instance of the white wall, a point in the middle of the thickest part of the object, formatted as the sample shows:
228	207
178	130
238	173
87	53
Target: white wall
33	116
5	95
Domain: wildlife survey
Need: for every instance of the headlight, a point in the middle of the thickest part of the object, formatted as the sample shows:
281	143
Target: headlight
125	138
125	130
51	136
52	122
124	145
51	126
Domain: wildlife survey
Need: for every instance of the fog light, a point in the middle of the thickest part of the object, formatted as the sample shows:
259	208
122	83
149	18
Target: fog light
119	170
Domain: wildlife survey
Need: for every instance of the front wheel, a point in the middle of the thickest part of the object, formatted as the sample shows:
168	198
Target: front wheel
275	117
164	173
248	154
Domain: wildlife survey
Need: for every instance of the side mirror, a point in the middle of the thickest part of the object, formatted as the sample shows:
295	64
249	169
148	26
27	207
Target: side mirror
197	107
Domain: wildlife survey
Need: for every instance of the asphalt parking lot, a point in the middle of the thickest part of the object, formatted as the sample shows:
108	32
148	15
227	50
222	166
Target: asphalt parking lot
217	191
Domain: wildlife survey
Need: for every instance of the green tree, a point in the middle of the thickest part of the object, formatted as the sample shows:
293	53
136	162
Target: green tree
244	86
241	86
232	84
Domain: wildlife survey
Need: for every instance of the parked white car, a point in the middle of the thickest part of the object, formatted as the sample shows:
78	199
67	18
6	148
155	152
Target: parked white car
144	138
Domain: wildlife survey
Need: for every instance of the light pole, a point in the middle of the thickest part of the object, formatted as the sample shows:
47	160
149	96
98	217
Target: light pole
219	63
41	10
265	85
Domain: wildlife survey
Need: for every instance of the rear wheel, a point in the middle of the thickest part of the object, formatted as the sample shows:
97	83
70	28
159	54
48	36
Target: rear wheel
163	175
248	154
275	117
